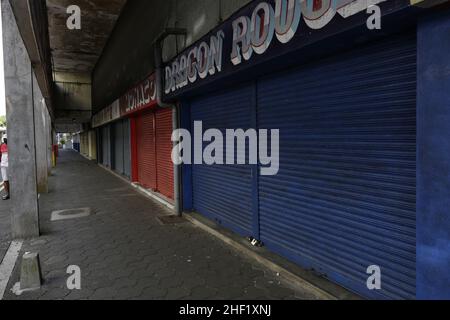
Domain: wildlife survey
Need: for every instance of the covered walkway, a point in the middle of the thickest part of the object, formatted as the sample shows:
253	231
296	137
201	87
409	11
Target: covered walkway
125	252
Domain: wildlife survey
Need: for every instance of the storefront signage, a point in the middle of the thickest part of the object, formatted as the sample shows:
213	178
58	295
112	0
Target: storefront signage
199	62
261	27
107	115
140	97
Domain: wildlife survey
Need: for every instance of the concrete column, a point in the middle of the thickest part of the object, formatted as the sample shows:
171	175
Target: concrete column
49	143
433	163
83	144
90	138
54	142
54	137
92	145
21	130
40	110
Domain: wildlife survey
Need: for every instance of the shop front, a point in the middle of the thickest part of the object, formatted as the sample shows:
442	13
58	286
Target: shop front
122	147
343	99
92	145
135	138
152	135
150	139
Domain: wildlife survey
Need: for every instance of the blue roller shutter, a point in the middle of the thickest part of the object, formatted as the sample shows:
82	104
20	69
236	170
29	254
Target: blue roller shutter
224	192
345	195
119	147
126	148
106	146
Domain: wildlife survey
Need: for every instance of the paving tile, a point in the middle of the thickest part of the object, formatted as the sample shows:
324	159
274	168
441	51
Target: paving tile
203	293
125	253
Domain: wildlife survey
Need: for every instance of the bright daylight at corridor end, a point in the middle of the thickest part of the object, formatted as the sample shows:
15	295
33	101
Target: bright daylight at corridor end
269	152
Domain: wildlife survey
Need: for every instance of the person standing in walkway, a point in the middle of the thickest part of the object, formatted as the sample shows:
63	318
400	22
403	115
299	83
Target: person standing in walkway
4	166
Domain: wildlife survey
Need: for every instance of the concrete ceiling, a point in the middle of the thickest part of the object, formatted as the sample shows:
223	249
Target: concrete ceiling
77	51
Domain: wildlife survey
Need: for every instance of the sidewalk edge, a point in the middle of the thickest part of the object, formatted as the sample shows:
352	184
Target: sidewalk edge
290	278
147	193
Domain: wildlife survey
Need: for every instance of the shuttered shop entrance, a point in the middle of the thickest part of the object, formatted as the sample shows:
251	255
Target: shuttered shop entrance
106	146
164	145
118	147
224	192
122	151
126	148
154	151
146	150
345	196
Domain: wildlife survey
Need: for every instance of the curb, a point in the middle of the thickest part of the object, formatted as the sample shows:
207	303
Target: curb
290	279
144	192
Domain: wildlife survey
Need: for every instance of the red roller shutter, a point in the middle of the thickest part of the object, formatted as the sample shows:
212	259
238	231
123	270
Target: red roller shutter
146	150
164	152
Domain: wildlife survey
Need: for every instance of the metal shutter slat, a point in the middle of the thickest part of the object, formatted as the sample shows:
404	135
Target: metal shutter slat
345	196
146	151
118	147
127	148
106	146
164	152
224	193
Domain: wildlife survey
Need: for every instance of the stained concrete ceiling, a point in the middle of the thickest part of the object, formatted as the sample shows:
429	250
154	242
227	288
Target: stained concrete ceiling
77	51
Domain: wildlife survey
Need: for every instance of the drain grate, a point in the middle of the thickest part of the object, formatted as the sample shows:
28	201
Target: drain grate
69	214
167	220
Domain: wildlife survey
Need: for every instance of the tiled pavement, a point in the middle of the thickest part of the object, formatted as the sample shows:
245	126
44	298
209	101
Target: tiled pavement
125	253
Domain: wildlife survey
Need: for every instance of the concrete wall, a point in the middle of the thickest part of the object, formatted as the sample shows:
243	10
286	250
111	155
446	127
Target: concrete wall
29	130
68	127
84	144
88	144
49	143
433	173
128	55
73	91
198	18
92	137
21	129
42	127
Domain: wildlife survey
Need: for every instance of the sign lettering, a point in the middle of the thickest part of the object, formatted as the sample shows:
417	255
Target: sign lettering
253	34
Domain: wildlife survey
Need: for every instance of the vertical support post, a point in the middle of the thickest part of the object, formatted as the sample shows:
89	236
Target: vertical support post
186	169
21	129
255	168
41	148
49	143
433	163
98	137
177	168
134	150
112	146
54	148
94	145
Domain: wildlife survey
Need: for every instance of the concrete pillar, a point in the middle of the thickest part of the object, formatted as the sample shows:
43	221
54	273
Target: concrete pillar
40	110
54	142
54	137
49	143
433	163
92	141
82	144
21	130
